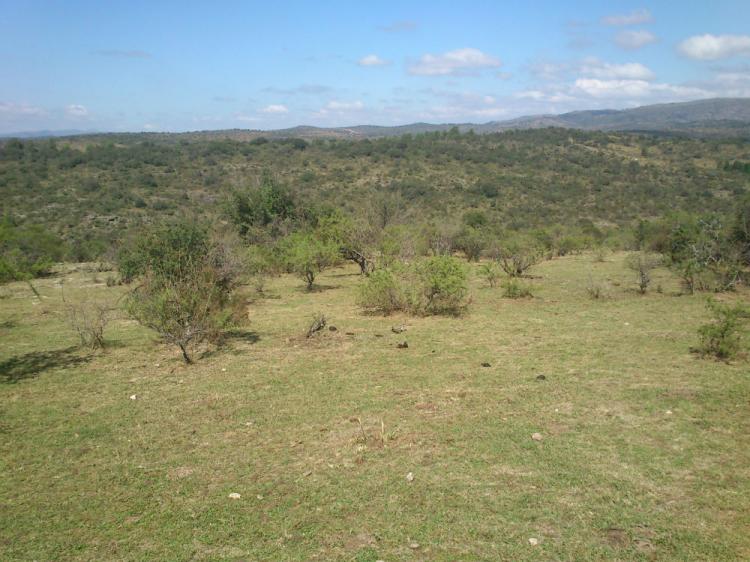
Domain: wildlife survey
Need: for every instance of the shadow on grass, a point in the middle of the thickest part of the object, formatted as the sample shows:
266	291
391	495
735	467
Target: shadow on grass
318	288
240	335
30	365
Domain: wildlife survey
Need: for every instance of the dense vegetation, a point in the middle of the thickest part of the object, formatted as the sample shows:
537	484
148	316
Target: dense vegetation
92	194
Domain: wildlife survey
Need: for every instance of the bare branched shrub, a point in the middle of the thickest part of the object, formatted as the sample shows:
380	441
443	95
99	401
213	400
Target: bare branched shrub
89	320
516	258
597	289
643	264
319	322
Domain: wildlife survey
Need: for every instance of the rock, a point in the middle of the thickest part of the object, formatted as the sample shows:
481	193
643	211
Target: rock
668	412
133	396
308	473
533	541
541	378
332	328
485	364
403	345
398	329
537	436
414	545
410	477
234	496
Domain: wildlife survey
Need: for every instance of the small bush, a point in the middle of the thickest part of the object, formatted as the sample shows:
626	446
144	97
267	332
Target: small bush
515	289
89	320
516	257
491	272
597	290
722	337
436	285
643	264
380	292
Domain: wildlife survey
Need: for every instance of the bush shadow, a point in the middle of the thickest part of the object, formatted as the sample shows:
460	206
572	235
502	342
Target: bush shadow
30	365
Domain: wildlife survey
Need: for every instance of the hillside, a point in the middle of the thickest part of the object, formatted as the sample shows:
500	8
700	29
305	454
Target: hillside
93	190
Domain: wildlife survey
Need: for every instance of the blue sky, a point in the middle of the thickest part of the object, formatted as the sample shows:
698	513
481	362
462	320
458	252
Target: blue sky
176	66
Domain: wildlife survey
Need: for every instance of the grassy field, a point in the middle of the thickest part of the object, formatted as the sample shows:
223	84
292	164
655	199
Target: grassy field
345	447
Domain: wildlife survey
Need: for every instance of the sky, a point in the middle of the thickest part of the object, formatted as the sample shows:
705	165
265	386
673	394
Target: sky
183	66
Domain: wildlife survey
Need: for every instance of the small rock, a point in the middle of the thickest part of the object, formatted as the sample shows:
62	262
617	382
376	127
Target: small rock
307	473
414	545
533	541
537	436
223	370
133	396
259	497
541	378
410	477
332	329
234	496
378	335
350	333
485	364
398	329
668	412
403	345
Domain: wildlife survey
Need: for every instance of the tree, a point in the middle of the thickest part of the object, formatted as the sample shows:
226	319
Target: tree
517	256
185	285
353	239
262	210
643	264
307	255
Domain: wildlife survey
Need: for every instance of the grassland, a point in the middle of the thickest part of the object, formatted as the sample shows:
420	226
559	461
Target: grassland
645	450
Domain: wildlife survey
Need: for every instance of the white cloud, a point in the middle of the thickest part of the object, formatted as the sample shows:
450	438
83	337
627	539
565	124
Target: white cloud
275	108
633	18
628	70
458	62
76	110
712	47
19	109
640	90
372	60
634	39
246	118
344	105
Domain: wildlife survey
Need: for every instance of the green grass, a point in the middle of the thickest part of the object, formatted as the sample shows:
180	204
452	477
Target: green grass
89	474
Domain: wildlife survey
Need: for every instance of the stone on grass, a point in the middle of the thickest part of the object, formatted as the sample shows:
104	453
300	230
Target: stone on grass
537	436
234	496
533	541
410	477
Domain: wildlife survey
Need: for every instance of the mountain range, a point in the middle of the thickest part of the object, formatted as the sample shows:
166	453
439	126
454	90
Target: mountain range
720	117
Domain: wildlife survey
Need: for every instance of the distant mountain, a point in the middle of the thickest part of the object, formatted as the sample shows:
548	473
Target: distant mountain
45	134
719	117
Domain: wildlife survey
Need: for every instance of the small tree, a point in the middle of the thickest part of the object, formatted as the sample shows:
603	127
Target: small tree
722	337
308	255
643	264
516	257
186	283
472	241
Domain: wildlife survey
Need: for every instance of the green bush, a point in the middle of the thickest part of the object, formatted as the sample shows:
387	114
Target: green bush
491	272
185	289
307	256
515	289
436	285
722	337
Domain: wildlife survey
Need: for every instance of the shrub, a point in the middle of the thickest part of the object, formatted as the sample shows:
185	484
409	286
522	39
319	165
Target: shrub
722	337
380	292
514	289
307	256
597	290
491	272
186	284
472	241
516	257
89	320
643	264
443	285
436	285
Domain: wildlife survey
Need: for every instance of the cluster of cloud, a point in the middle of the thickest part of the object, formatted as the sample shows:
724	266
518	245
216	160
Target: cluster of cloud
453	63
372	60
631	39
636	17
713	47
